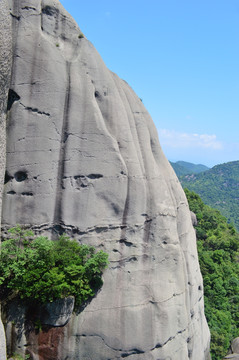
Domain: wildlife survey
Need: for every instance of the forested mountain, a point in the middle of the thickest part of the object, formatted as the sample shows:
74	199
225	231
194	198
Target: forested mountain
184	168
218	244
219	188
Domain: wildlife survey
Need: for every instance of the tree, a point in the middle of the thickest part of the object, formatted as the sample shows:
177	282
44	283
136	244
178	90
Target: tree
218	244
42	270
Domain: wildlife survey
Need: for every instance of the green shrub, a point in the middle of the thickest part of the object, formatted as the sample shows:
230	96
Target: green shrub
42	270
218	244
19	357
80	36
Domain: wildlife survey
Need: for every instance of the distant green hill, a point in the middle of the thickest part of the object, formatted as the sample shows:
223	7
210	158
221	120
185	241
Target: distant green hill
184	168
219	188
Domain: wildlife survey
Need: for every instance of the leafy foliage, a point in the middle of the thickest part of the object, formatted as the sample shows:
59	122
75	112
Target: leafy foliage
44	270
218	187
218	245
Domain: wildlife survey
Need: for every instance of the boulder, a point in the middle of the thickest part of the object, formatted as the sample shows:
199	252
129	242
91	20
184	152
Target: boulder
194	218
58	312
235	345
234	350
83	157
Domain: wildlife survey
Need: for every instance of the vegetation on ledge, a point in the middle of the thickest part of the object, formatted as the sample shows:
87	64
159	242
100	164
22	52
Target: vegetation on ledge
218	245
43	270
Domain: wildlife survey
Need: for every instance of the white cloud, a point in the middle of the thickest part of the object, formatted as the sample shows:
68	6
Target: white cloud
176	139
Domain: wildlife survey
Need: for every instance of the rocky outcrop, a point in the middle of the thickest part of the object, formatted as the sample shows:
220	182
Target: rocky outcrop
235	346
57	313
2	342
232	357
194	218
83	158
5	71
234	353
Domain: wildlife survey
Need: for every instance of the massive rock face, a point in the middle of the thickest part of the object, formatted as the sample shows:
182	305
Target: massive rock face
83	157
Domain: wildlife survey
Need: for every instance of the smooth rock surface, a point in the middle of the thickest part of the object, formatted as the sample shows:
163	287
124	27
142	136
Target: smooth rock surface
83	157
5	72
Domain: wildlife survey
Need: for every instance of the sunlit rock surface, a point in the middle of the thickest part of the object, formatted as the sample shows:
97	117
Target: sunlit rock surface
83	157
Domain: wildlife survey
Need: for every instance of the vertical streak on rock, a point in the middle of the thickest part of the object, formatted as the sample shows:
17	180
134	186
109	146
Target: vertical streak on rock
5	66
123	235
61	163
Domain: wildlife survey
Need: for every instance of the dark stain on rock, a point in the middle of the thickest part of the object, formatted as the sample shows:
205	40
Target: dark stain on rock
45	343
97	95
15	16
147	227
48	343
78	176
12	97
12	192
125	242
20	176
94	176
90	176
27	194
35	110
29	8
49	10
132	352
7	178
58	229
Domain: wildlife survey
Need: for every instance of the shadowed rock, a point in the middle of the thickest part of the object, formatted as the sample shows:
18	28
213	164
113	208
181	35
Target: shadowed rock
57	313
81	143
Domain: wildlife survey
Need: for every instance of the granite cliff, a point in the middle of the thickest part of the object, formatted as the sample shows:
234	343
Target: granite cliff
83	157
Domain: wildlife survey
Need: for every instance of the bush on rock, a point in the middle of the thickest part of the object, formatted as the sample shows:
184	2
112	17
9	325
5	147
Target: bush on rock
43	270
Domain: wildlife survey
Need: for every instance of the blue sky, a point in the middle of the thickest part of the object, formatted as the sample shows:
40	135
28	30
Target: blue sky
182	58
